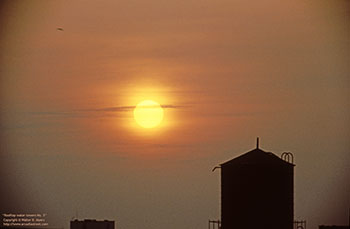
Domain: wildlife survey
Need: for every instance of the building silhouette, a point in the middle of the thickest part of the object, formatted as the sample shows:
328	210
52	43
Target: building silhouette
91	224
257	191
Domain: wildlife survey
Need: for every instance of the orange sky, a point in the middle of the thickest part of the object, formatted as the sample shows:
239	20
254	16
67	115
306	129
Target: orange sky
227	71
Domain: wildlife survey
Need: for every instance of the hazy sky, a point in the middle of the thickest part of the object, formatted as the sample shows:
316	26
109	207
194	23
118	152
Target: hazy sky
226	72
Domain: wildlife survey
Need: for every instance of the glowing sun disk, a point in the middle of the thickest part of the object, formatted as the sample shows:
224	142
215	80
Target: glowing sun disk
148	114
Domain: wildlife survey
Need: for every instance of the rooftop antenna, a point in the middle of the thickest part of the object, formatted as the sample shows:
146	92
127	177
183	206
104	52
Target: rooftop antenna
257	142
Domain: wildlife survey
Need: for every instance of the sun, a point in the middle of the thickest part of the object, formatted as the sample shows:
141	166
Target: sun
148	114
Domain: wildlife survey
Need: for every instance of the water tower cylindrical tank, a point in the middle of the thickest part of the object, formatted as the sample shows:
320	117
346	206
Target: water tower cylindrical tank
257	192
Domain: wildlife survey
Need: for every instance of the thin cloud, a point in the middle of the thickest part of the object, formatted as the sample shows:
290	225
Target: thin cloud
84	112
129	108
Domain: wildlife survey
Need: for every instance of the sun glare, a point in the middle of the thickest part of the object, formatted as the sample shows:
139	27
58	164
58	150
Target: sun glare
148	114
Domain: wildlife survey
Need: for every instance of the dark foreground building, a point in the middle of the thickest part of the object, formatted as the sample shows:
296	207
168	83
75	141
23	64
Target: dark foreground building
257	192
91	224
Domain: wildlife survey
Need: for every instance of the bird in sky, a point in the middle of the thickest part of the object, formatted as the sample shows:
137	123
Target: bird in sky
60	29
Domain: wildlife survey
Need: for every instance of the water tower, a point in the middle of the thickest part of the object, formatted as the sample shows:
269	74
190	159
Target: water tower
257	191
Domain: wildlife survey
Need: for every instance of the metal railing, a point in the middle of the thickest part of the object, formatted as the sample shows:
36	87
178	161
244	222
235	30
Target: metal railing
214	224
299	224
